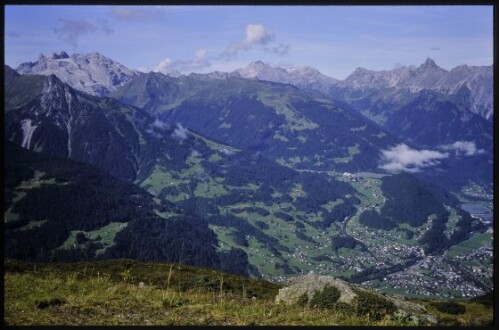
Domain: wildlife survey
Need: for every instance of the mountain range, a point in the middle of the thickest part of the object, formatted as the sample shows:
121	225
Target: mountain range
90	73
364	84
273	171
98	75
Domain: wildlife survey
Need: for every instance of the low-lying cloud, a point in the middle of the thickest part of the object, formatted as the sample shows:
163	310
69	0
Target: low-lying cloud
465	148
256	35
157	128
404	158
180	132
160	124
166	66
227	152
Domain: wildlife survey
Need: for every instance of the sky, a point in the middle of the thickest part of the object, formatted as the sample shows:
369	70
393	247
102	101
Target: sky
334	39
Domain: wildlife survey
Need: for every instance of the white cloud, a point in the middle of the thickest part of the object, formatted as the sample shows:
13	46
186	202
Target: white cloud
403	158
144	69
180	132
163	66
159	124
199	62
157	127
256	34
465	148
153	133
227	152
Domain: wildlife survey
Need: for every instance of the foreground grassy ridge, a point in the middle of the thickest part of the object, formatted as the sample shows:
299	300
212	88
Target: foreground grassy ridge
108	293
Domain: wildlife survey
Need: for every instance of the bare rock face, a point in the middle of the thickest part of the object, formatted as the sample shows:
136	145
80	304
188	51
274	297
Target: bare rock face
92	73
310	284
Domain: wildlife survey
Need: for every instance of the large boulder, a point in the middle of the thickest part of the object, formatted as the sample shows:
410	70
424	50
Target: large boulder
310	284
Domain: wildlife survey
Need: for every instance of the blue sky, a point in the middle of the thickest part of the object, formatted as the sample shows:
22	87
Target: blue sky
334	39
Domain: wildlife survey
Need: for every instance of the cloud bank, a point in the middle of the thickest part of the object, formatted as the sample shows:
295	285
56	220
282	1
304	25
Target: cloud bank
404	158
180	132
200	61
465	148
255	35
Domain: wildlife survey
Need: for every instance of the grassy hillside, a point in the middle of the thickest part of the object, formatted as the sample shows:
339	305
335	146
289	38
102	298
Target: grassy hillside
110	293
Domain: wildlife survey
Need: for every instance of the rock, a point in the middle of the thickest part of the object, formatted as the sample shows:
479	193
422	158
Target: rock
311	283
402	304
141	285
297	286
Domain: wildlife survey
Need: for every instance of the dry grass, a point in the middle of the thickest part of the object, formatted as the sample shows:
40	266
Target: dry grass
108	293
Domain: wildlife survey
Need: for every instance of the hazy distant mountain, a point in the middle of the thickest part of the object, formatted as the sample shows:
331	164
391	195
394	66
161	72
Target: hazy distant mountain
303	77
91	73
392	87
432	120
479	80
395	88
214	75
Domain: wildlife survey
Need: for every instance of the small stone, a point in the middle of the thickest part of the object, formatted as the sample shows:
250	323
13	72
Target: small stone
141	285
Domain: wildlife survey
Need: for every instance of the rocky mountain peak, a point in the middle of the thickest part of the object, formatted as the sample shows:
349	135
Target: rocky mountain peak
304	77
9	72
90	73
56	55
59	55
304	70
257	63
429	64
360	70
255	68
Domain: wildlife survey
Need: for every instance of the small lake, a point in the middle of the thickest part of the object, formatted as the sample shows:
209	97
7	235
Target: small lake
477	210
